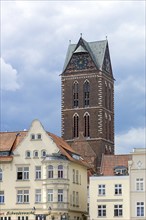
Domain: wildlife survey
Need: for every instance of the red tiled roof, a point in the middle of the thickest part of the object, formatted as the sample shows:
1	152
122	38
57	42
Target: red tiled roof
9	140
109	162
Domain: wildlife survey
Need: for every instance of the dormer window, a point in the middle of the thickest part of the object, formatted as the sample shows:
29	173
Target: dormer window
121	170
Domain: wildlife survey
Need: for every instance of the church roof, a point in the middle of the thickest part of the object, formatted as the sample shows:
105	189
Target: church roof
96	50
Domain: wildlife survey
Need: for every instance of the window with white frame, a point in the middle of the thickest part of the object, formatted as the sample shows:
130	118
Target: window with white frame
22	173
50	171
77	199
101	210
118	189
101	189
2	197
23	196
140	208
1	174
35	153
50	195
23	217
60	195
60	171
118	210
39	136
32	137
35	136
77	176
27	154
38	172
38	195
43	153
139	184
74	198
73	171
5	218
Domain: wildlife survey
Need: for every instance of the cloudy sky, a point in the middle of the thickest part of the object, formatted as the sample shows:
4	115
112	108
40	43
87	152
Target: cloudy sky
34	40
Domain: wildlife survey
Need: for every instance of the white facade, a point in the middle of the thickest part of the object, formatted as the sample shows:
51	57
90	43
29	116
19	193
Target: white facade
137	171
109	197
40	181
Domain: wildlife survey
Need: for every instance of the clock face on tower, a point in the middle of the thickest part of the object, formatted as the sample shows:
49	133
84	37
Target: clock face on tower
80	62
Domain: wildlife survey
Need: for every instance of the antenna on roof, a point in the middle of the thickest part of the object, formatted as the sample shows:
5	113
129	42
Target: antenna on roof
81	35
106	37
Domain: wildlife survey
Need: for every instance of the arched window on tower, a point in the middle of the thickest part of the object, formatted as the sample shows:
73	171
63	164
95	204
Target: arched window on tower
86	93
75	94
86	124
75	125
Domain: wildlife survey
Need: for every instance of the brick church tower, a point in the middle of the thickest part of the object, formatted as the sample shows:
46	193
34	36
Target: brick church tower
88	100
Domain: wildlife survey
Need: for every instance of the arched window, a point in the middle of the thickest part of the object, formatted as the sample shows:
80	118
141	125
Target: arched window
43	153
75	94
35	153
27	154
86	125
1	174
75	126
86	93
50	171
60	171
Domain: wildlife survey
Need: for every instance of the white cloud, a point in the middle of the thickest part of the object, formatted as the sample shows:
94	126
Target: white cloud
134	138
131	83
34	40
9	77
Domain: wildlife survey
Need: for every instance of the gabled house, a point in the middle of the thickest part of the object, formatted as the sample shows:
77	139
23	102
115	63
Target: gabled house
41	177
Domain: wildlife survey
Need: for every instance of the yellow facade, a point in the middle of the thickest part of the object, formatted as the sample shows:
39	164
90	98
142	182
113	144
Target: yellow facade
40	182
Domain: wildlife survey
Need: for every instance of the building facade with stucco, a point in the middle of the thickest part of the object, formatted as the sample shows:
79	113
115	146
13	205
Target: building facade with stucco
41	177
119	192
137	173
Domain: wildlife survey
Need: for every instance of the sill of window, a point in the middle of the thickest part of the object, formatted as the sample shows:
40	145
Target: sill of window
35	157
38	179
27	157
102	195
36	139
2	203
22	180
22	203
118	195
